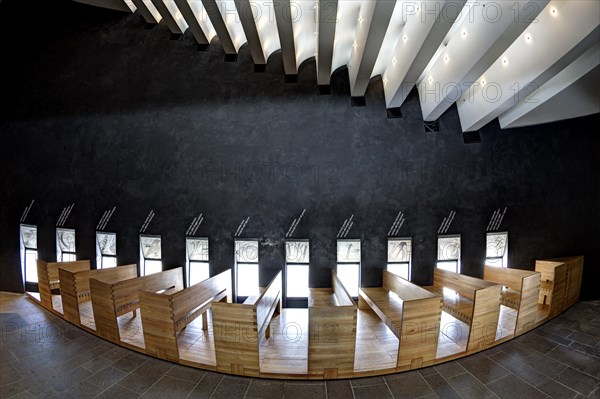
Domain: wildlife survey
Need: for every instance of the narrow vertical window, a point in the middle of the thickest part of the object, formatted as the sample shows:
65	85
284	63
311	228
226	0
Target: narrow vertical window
449	253
28	244
65	245
106	250
197	260
399	257
496	249
297	260
348	265
150	255
246	268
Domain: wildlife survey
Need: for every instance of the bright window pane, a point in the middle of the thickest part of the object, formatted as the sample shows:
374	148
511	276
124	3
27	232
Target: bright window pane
400	269
297	281
151	247
399	250
109	261
349	275
68	258
247	279
31	266
297	251
152	266
198	271
65	245
246	251
348	251
451	266
197	249
496	249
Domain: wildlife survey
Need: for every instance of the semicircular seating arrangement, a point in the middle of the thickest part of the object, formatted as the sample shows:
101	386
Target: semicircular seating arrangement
397	327
507	59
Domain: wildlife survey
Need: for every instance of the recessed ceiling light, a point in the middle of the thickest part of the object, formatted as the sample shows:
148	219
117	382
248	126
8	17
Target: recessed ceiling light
430	79
528	38
360	19
505	61
553	11
354	44
446	58
405	38
464	33
394	60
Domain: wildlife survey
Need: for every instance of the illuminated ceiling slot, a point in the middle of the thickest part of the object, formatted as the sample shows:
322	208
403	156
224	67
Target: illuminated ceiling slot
304	25
347	23
232	22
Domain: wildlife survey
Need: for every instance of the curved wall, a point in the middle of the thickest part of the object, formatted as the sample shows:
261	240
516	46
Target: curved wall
105	113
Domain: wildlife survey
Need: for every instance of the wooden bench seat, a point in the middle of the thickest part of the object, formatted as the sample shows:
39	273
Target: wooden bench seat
332	316
49	279
560	283
164	315
511	298
412	314
113	297
240	329
475	302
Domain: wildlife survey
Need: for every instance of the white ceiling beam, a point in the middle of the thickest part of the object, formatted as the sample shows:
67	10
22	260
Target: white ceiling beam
212	10
190	18
421	37
571	93
540	53
373	21
328	11
171	15
304	25
283	17
480	36
247	19
147	10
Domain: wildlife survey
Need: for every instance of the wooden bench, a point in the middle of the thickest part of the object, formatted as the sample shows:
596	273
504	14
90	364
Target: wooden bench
560	283
114	297
75	286
165	315
476	303
413	315
520	291
332	331
48	278
240	329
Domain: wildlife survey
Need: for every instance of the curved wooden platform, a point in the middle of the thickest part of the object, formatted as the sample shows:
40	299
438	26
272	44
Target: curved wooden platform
387	330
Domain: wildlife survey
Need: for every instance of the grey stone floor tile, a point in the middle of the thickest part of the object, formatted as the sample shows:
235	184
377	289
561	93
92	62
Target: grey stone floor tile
545	365
580	361
578	381
428	371
483	368
231	388
14	388
467	386
82	390
117	392
408	385
8	374
536	342
302	391
116	353
96	364
524	371
584	339
66	380
361	382
441	387
207	385
372	392
130	362
339	389
169	388
511	387
107	377
450	369
186	373
556	390
271	389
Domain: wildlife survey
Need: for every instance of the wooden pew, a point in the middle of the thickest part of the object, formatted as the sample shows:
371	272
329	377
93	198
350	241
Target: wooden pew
114	297
165	315
412	313
48	278
561	283
521	293
332	331
240	329
476	303
75	286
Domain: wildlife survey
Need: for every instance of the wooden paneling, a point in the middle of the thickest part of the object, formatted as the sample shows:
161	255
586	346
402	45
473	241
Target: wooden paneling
112	297
561	283
486	311
527	315
75	286
332	331
164	315
48	278
240	329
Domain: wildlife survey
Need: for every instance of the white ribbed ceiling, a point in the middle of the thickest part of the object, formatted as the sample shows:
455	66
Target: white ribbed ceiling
493	59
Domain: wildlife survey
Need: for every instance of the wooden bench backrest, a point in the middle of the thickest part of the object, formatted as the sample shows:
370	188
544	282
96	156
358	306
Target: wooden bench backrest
547	268
405	290
464	285
48	274
511	278
127	291
124	272
266	303
188	299
341	293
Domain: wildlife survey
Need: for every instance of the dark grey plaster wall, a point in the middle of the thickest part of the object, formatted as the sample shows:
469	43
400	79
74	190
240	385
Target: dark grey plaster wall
102	112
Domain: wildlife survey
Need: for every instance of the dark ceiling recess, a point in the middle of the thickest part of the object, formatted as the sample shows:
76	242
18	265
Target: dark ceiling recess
433	126
472	137
394	113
